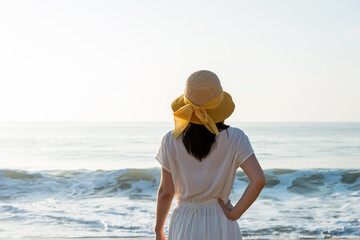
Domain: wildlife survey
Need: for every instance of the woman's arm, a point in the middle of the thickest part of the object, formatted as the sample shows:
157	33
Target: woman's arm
164	199
257	182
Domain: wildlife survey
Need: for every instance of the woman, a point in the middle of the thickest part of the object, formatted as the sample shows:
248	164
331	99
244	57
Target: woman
199	160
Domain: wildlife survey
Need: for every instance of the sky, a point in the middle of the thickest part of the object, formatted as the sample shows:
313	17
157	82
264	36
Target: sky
128	60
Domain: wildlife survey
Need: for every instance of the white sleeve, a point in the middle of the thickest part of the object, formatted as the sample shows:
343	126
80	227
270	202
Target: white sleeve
162	155
243	150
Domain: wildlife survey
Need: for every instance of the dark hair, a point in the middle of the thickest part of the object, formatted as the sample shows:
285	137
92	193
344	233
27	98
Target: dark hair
198	140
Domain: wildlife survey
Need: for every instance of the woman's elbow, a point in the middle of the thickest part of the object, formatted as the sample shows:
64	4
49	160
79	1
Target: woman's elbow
261	182
166	192
258	182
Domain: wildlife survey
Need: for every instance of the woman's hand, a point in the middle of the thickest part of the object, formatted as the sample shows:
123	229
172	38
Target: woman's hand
160	235
228	209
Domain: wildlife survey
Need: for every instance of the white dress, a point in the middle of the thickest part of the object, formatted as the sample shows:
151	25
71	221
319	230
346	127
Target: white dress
197	214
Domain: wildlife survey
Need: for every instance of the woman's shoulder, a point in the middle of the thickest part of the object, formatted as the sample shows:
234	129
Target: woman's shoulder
169	133
169	137
235	134
235	131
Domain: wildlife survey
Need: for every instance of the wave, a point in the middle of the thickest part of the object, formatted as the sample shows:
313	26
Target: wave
143	183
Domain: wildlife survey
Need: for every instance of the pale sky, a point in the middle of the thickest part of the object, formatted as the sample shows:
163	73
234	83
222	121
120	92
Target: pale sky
127	60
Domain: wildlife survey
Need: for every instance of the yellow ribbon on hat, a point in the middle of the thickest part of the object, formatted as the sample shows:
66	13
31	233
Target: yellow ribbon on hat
183	115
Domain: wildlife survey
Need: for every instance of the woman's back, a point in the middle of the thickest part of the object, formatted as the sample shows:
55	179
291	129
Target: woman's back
213	177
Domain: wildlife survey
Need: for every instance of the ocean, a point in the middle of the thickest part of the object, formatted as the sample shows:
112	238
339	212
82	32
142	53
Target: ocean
100	179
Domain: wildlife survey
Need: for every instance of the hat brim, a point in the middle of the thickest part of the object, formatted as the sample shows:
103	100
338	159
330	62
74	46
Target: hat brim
219	114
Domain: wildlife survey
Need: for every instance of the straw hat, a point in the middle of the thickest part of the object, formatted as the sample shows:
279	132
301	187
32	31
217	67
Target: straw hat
203	102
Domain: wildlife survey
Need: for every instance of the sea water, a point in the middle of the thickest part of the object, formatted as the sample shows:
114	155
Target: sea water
100	179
